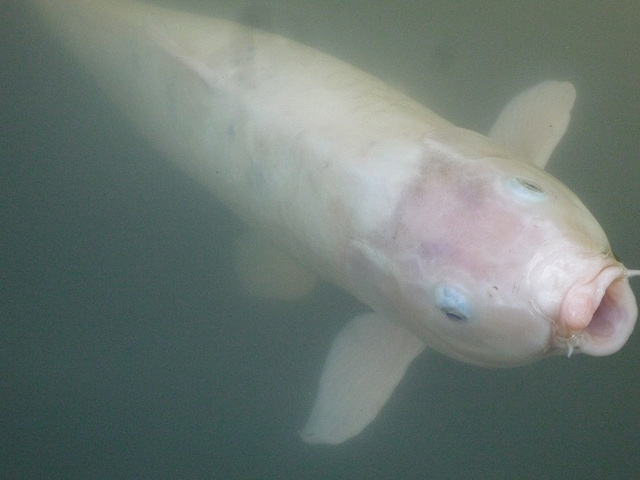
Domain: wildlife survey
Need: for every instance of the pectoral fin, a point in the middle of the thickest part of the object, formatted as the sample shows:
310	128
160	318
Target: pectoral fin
366	362
264	271
532	124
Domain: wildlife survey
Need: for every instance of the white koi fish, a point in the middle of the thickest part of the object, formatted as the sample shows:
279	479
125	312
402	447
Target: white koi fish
456	241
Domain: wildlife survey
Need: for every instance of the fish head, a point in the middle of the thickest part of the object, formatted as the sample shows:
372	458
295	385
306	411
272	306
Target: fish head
495	262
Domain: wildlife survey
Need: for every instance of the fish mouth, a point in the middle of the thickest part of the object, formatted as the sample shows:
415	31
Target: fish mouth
597	317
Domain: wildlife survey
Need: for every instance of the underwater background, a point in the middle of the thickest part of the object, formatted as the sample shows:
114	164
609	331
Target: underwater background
127	350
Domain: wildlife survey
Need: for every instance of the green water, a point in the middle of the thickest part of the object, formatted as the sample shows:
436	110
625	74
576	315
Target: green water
126	350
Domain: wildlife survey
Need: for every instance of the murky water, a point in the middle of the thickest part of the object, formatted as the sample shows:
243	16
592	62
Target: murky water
126	350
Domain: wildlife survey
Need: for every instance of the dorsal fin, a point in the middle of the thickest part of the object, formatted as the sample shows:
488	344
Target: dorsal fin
532	124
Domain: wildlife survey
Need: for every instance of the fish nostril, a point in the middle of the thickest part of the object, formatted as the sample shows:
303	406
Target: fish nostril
456	317
453	303
526	189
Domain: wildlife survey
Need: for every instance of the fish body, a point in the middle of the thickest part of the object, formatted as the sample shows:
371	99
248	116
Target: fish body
456	241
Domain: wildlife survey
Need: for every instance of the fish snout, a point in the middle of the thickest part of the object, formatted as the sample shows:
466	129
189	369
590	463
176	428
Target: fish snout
598	317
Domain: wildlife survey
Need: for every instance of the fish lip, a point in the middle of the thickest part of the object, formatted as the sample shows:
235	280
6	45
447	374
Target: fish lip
597	317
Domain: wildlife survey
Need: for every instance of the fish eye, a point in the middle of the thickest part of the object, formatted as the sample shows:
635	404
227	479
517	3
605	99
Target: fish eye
526	189
453	303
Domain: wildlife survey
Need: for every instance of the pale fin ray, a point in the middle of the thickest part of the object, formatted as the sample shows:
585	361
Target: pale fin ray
366	362
266	272
534	122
